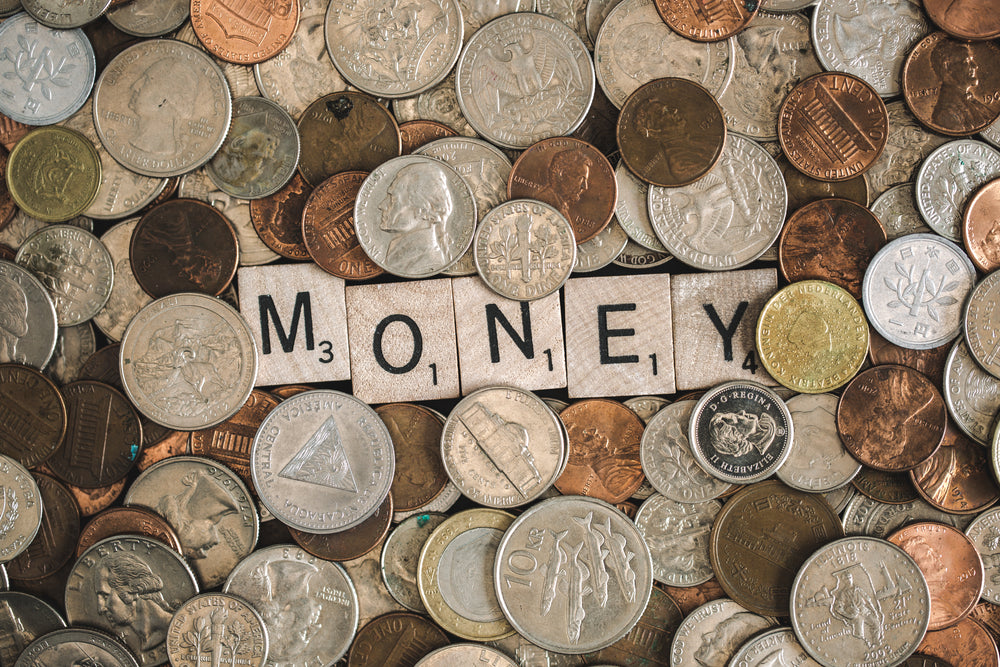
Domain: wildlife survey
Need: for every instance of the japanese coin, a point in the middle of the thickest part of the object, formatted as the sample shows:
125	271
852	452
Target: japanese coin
22	508
76	646
221	626
73	173
819	462
28	329
32	415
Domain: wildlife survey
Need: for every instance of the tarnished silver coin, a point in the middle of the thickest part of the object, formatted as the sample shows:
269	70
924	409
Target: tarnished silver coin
595	13
948	177
207	505
632	210
634	256
47	73
322	461
774	648
510	241
465	654
984	531
28	328
818	462
635	46
677	537
415	216
309	605
868	38
149	18
908	144
74	345
864	516
896	209
542	89
572	13
216	628
602	250
76	646
374	599
860	601
401	555
729	217
127	297
75	268
914	289
714	632
162	107
971	394
980	324
477	13
20	508
502	447
394	51
130	586
573	574
667	460
439	103
23	619
188	361
740	432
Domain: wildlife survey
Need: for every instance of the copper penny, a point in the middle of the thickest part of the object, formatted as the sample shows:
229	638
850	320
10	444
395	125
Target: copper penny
351	543
7	253
183	245
178	443
929	362
346	131
921	660
247	32
92	501
598	126
891	418
987	614
832	240
966	19
289	390
957	478
628	508
648	644
130	520
707	21
981	227
892	488
278	219
11	131
951	86
103	366
950	563
571	175
32	415
55	541
968	644
169	190
604	438
329	232
7	206
103	436
396	639
416	133
690	598
229	442
761	538
416	438
833	126
671	132
803	189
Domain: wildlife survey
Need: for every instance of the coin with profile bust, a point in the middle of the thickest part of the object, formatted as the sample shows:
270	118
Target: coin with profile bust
77	647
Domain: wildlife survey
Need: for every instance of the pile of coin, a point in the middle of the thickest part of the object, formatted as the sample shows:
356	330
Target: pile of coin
158	505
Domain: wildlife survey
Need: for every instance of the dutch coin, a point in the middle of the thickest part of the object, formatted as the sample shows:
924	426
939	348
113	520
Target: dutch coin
352	543
510	102
149	18
972	394
278	219
980	231
723	20
244	33
864	516
397	639
632	211
328	229
416	439
55	543
984	531
291	446
439	103
23	619
677	536
908	145
712	633
76	646
818	462
127	520
401	554
968	20
32	415
980	325
968	644
774	648
597	551
68	192
957	477
28	332
223	627
947	179
467	654
896	209
22	509
188	361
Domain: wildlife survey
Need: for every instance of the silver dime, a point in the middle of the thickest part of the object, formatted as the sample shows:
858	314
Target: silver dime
126	298
774	648
634	256
992	133
667	460
130	586
980	324
635	46
601	250
64	15
209	508
188	361
394	51
864	516
162	107
22	225
74	345
984	531
465	654
573	574
401	555
502	447
149	18
75	268
47	74
509	245
711	634
322	461
818	462
908	144
439	103
24	618
860	601
76	646
896	209
542	89
677	537
28	329
740	432
948	177
971	394
309	605
415	216
21	503
868	38
729	217
216	627
914	289
632	210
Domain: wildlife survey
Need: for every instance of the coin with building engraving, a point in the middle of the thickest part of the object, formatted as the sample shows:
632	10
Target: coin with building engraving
327	228
32	415
708	22
244	32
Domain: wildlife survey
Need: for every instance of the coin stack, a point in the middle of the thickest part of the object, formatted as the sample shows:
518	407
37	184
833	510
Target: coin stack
816	490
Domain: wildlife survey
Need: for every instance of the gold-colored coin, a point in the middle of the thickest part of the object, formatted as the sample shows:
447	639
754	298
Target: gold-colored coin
455	575
54	173
812	336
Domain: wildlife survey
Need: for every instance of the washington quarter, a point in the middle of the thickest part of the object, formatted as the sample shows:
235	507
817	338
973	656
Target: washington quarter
28	332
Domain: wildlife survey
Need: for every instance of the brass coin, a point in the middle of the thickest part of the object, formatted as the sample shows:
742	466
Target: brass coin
812	336
54	173
32	415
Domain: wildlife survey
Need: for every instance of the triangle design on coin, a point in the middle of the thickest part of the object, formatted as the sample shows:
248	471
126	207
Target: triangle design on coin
322	460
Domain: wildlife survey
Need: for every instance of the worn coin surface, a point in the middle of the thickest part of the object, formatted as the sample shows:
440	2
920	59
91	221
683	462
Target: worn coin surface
972	394
397	639
439	103
980	324
677	536
864	516
885	487
416	133
712	633
632	210
216	627
32	415
896	209
78	645
28	333
25	619
970	20
401	554
127	520
278	219
818	462
948	177
146	18
909	143
328	229
55	542
73	168
22	503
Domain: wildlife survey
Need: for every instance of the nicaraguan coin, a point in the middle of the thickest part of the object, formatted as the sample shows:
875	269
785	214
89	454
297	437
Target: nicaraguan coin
698	22
914	290
714	632
972	394
948	177
28	330
818	462
76	646
908	144
401	554
980	324
860	573
544	89
127	298
677	536
573	574
223	627
322	461
896	209
984	531
774	648
21	504
740	432
188	361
